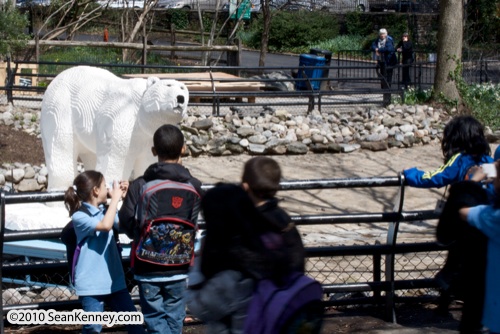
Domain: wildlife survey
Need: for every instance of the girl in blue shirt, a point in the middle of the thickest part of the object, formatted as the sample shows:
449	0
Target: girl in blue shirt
99	276
486	218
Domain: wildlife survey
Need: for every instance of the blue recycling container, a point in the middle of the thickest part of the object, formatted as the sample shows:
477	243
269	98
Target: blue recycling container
310	73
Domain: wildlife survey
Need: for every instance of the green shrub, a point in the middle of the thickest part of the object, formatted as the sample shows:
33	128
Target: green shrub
483	100
357	24
292	30
345	42
414	96
178	17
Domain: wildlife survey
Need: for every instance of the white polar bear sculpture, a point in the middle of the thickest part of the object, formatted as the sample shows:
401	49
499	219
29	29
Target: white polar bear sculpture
106	121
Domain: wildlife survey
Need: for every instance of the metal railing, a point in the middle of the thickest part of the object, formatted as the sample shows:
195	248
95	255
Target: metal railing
381	274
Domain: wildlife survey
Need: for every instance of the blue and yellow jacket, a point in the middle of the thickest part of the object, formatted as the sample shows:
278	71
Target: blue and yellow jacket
454	170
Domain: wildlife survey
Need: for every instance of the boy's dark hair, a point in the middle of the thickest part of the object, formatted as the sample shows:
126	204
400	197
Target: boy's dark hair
168	142
464	134
263	177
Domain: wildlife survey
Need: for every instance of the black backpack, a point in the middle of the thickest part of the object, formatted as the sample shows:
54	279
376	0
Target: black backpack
167	213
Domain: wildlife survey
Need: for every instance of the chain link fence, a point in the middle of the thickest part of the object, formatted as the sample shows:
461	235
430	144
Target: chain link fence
347	272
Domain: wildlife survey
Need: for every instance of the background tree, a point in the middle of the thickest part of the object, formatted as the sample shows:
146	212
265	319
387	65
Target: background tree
264	41
67	17
449	48
12	31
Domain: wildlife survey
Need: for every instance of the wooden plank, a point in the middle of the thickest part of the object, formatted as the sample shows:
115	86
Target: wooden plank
202	82
186	76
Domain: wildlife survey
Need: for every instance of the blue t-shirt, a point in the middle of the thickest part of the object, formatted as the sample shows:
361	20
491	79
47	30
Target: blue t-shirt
99	269
486	218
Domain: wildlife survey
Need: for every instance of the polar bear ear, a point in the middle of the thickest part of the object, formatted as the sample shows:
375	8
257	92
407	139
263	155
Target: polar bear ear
152	81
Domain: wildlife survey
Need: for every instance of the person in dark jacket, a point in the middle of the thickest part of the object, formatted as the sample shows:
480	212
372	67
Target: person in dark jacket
161	288
405	47
468	248
232	258
261	179
385	54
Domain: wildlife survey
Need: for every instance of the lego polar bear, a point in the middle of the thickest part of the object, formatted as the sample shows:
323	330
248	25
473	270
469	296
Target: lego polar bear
106	121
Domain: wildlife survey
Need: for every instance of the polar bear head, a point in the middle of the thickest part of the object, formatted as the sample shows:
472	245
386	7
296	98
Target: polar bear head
163	102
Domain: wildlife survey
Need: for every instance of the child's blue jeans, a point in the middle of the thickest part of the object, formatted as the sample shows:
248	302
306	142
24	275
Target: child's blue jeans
119	301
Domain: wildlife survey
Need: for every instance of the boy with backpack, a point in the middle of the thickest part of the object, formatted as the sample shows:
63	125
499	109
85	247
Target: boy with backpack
287	301
160	214
261	180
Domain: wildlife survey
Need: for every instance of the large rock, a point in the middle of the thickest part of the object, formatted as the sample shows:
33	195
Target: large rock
297	148
14	175
257	139
245	131
29	172
56	292
235	148
11	297
256	148
29	185
374	146
278	150
203	124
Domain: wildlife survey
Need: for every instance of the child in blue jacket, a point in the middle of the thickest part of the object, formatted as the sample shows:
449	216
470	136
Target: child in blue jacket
465	148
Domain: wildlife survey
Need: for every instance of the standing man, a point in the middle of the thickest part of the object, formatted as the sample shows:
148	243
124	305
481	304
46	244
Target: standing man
386	59
405	47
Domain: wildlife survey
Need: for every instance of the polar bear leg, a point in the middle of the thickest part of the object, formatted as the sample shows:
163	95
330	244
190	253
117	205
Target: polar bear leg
59	152
88	159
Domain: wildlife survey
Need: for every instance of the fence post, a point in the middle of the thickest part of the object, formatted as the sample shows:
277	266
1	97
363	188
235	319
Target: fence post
2	234
234	57
486	78
392	235
37	48
10	81
172	40
377	274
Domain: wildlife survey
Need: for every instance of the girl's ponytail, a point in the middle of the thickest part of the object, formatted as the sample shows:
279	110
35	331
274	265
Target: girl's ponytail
71	200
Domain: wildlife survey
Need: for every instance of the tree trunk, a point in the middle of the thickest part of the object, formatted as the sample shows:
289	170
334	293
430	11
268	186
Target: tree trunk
449	48
266	13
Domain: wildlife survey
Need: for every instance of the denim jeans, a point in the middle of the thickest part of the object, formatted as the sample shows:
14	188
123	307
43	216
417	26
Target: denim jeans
163	306
119	301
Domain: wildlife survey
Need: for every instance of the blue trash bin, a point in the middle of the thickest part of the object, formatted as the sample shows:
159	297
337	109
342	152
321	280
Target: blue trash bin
310	73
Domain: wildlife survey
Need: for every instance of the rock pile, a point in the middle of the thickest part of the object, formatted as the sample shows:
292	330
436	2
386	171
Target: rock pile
274	132
281	132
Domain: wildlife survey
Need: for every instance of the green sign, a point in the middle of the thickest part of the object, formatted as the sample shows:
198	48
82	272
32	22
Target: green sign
240	9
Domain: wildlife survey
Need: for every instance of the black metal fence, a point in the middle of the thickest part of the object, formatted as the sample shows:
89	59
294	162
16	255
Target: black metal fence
374	273
351	77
